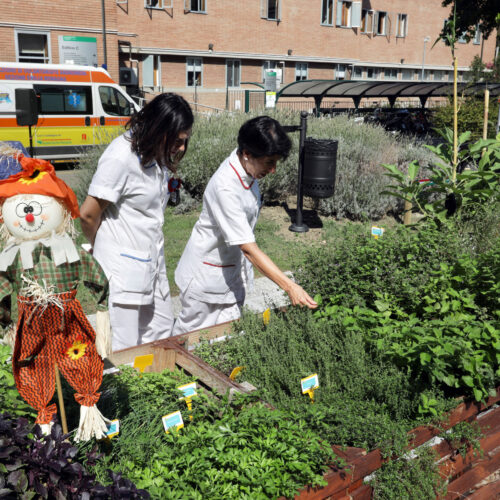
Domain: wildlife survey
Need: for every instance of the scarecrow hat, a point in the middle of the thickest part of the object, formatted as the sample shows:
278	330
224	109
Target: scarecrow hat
39	177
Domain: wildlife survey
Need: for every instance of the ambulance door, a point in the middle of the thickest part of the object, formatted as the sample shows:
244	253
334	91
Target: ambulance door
115	112
9	129
64	127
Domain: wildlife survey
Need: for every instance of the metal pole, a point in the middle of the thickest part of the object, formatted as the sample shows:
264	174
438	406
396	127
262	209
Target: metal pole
426	39
103	8
299	226
498	119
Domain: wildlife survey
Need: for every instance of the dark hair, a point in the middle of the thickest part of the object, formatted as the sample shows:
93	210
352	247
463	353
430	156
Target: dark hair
263	136
154	129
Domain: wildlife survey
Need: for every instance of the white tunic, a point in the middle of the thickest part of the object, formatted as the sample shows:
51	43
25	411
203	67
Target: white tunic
129	243
213	265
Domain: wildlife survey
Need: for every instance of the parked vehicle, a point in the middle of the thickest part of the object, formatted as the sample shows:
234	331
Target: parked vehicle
78	106
412	121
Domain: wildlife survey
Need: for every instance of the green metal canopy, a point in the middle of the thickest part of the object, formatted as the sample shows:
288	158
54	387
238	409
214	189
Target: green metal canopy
359	89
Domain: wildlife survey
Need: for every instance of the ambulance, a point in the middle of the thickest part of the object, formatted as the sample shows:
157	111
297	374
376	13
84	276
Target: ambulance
78	107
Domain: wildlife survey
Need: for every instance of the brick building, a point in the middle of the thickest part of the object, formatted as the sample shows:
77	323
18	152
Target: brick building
207	49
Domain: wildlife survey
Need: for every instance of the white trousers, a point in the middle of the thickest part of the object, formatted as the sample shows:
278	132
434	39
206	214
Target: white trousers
196	314
132	325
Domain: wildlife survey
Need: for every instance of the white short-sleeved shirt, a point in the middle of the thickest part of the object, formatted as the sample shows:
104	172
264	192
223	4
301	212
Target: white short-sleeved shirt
213	265
129	243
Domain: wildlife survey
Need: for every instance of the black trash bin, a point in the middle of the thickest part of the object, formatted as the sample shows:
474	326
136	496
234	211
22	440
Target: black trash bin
320	165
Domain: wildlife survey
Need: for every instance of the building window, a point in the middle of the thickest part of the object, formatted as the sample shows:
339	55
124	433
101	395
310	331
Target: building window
270	9
300	71
195	6
233	73
345	9
367	21
390	74
348	14
402	27
327	13
380	24
157	4
268	66
438	75
194	72
33	47
372	73
357	73
477	35
340	72
407	74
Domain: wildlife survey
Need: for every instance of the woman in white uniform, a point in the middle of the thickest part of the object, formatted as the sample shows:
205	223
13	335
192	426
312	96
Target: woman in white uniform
123	214
216	266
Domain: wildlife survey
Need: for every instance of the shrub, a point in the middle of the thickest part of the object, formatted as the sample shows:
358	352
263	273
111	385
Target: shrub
470	117
360	179
362	400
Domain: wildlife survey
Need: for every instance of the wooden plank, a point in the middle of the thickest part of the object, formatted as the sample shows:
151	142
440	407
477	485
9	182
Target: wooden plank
194	337
125	356
204	372
466	483
487	492
362	493
339	481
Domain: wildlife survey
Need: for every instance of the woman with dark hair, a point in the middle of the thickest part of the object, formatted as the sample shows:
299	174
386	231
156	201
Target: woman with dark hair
216	267
122	217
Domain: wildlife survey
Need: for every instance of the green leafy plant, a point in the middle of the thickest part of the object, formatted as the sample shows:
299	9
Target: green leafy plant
463	437
452	192
407	478
229	449
10	400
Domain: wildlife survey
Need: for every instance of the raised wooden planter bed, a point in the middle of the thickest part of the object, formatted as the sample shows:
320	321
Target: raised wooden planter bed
475	476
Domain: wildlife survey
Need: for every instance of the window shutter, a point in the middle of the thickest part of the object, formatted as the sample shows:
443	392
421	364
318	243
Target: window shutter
356	15
339	13
406	26
278	8
187	5
388	25
263	8
375	23
147	71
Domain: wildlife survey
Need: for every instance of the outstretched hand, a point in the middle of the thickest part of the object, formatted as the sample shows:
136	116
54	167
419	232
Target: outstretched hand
299	297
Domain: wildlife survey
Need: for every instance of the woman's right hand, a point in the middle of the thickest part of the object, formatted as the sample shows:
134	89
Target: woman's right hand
299	297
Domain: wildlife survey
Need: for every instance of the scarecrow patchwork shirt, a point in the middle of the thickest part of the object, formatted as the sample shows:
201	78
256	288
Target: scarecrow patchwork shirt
62	278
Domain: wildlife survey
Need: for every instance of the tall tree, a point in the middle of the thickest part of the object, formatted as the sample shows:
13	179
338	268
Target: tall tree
471	13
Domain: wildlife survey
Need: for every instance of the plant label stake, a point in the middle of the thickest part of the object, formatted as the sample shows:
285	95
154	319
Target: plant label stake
172	420
188	391
266	316
113	429
377	232
236	372
309	385
142	362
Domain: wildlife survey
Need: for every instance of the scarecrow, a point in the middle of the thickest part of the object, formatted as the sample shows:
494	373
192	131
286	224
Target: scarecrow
41	263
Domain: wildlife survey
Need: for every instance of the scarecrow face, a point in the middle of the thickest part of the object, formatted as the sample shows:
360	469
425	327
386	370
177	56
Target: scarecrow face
32	216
